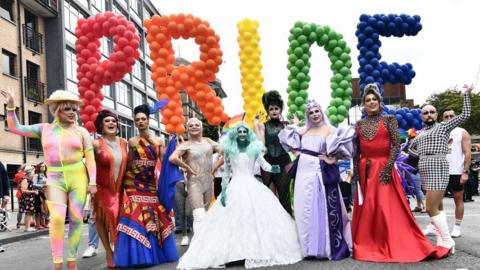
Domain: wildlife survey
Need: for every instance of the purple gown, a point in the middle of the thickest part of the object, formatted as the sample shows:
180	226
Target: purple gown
322	222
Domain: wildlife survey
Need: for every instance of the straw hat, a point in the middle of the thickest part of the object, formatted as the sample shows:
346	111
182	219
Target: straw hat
62	95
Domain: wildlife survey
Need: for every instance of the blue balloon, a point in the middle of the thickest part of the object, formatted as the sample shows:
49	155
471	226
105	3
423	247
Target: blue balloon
364	17
376	74
398	73
368	30
369	79
380	25
361	37
399	118
385	73
368	68
409	116
369	55
372	21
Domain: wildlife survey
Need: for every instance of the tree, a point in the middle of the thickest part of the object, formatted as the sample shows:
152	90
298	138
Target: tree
454	99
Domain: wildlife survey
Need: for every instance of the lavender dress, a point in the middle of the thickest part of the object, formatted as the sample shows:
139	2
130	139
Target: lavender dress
322	222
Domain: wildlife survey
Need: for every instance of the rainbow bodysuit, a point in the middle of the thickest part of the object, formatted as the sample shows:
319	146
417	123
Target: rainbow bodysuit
67	178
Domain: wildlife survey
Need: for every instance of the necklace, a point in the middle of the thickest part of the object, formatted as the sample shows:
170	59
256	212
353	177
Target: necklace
369	126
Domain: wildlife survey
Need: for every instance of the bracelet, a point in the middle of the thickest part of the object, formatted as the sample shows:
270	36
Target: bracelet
11	108
92	184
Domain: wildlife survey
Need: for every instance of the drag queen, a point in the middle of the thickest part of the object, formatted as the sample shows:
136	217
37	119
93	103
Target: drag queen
145	229
244	223
111	160
322	222
383	227
65	145
275	154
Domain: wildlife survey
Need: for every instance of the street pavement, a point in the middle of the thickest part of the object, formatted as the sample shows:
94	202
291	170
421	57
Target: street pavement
34	253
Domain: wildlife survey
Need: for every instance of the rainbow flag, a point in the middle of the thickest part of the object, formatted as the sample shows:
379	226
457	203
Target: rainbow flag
232	122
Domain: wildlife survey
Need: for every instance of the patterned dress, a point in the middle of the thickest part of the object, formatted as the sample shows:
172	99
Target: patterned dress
27	203
144	230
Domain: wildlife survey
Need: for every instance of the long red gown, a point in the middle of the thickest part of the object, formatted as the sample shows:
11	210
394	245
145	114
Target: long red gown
383	228
109	194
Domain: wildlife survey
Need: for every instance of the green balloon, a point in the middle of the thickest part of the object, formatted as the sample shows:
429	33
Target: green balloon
342	110
337	65
337	78
344	84
342	43
294	44
290	77
294	71
299	63
347	103
337	51
339	92
289	51
338	101
322	40
332	35
301	77
348	64
305	58
302	39
308	78
348	92
303	94
300	114
305	70
297	31
326	29
333	59
299	24
340	118
292	58
303	108
345	57
332	110
348	77
333	119
320	30
332	43
312	37
347	50
291	37
299	101
292	108
304	85
306	48
294	84
293	94
298	51
334	85
289	115
307	29
344	71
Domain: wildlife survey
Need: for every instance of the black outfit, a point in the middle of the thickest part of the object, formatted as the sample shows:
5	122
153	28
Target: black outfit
4	183
276	155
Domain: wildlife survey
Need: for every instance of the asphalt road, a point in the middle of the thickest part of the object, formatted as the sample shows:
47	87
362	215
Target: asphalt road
35	253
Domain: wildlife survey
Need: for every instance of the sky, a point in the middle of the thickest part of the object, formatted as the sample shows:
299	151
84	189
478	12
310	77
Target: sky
445	53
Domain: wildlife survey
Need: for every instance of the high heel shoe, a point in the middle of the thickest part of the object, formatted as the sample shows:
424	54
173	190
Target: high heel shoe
111	266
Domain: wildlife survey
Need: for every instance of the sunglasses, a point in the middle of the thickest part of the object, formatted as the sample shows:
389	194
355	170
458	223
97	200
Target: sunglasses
429	112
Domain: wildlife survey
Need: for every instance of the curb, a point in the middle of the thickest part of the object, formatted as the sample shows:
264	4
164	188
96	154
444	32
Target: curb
22	236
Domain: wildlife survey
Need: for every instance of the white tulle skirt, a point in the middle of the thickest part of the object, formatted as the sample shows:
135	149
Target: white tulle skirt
253	226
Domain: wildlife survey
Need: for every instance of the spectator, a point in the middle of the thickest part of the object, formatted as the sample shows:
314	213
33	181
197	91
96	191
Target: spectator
89	216
27	200
217	173
183	212
40	184
4	192
17	179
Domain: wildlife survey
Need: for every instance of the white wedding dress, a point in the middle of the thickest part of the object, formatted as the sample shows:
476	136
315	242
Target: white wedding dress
253	226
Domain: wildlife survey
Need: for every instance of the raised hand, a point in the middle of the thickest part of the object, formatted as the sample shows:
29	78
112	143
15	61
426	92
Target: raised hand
295	120
468	88
8	94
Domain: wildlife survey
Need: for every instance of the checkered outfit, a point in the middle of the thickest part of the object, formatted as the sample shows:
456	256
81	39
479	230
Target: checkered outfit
431	146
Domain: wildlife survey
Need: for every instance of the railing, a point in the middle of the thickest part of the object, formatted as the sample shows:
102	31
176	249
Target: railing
34	90
49	3
32	39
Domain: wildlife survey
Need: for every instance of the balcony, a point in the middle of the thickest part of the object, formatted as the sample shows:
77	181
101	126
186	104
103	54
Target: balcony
43	8
32	39
34	90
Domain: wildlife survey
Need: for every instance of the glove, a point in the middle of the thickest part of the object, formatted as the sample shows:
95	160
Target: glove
223	196
275	169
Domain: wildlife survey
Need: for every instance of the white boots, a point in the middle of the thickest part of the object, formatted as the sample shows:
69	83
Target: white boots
443	234
198	215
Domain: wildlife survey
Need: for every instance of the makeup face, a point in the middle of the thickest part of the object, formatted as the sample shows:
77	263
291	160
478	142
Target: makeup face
429	115
109	125
68	115
447	115
371	104
274	112
141	121
194	127
315	116
242	134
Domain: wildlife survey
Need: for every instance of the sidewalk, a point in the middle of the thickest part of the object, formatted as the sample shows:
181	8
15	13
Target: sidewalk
13	234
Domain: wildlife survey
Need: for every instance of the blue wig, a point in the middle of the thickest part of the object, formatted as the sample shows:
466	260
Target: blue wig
230	145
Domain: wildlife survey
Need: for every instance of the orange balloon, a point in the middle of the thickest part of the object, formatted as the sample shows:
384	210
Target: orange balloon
175	120
184	78
154	46
215	121
172	105
170	128
180	129
209	106
160	38
200	95
170	91
167	113
209	96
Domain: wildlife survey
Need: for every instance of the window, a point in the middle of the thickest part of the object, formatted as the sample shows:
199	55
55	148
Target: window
126	128
6	9
148	78
138	98
135	5
71	65
34	144
31	37
138	70
106	46
119	10
72	14
34	89
98	6
107	91
123	92
9	63
147	14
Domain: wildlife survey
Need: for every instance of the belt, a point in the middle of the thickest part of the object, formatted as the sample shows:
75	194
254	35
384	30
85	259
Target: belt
434	156
66	167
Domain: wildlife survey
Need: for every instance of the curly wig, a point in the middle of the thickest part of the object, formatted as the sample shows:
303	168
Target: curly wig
272	98
102	115
142	109
230	145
